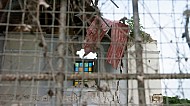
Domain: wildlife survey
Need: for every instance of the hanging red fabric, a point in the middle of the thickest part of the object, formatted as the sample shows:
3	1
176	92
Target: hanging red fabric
95	34
119	33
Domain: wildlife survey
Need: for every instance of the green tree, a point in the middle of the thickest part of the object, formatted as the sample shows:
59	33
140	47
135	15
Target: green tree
175	100
145	36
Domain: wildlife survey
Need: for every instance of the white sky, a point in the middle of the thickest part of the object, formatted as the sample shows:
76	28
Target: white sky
171	21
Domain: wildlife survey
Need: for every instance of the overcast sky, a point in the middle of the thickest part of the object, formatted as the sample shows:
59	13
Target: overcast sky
164	21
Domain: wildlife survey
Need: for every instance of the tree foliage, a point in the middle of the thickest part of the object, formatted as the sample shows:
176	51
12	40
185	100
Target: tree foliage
175	100
145	36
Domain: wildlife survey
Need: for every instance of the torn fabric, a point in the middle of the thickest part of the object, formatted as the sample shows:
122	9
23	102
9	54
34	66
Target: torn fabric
118	43
119	33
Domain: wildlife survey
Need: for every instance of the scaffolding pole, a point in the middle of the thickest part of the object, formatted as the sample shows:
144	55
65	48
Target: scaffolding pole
61	62
138	54
92	76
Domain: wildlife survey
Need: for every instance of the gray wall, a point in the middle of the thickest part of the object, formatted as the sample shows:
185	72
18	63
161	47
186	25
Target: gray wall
23	55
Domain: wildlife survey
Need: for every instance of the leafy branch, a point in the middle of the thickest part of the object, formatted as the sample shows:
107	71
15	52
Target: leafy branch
145	36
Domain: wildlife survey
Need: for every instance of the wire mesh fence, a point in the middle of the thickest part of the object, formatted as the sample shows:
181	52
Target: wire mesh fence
94	52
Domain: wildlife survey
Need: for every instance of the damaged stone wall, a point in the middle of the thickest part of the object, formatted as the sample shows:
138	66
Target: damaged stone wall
151	65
